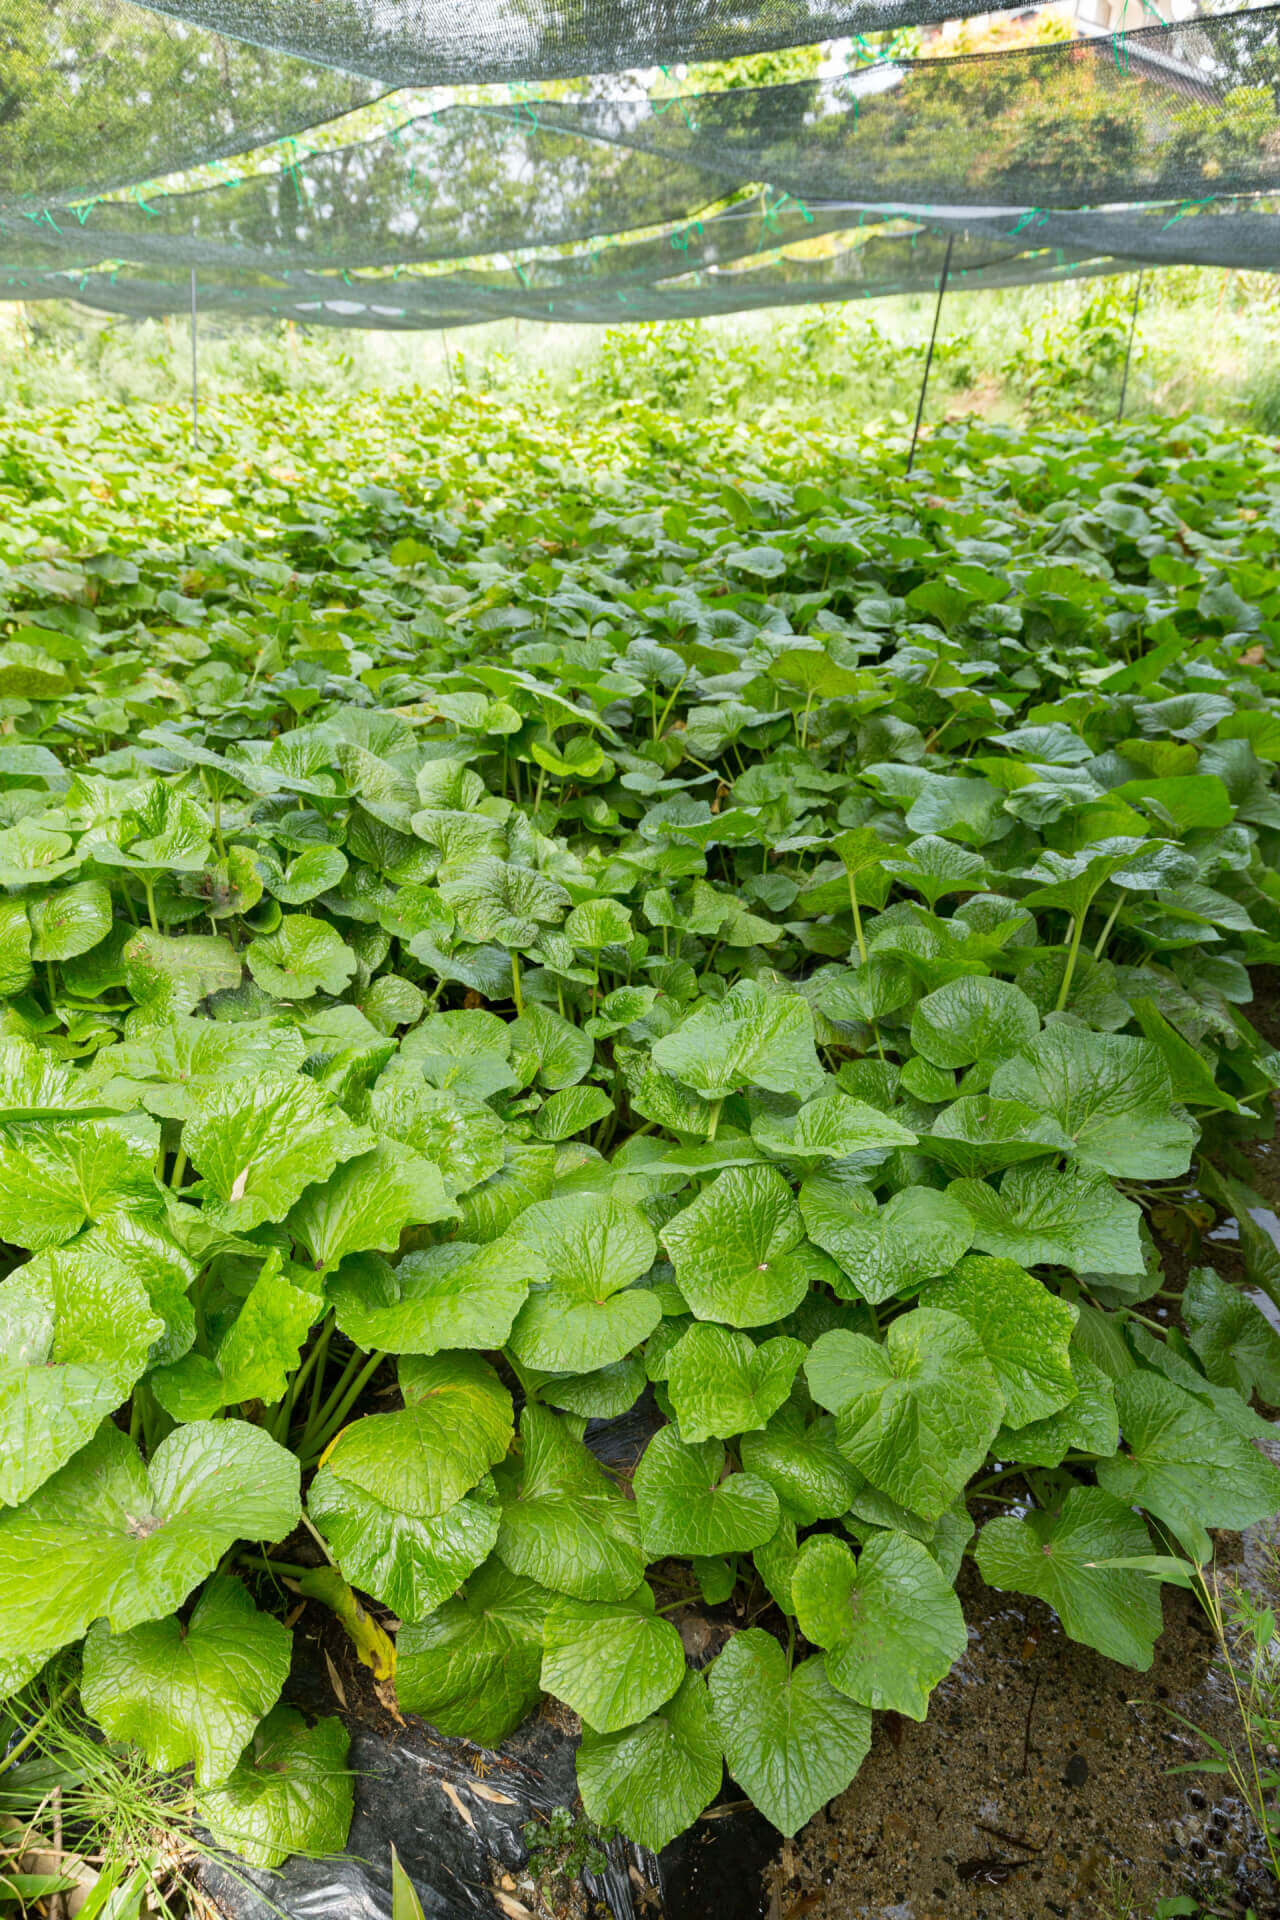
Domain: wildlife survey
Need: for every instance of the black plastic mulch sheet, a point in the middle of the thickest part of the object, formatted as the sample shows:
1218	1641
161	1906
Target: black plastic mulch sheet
453	1814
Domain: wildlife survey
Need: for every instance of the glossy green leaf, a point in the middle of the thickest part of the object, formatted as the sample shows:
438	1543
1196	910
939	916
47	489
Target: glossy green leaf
455	1295
1058	1558
978	1134
70	920
915	1415
886	1250
1088	1423
456	1423
612	1662
1236	1343
75	1334
751	1038
1110	1094
973	1018
471	1669
1041	1215
110	1537
409	1562
890	1621
258	1146
832	1127
291	1793
722	1384
255	1354
564	1522
302	957
1024	1328
461	1136
367	1204
790	1739
688	1504
739	1250
803	1464
1181	1463
190	1693
56	1179
654	1779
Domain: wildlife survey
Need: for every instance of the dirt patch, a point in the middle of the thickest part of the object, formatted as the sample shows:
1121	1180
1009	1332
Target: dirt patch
984	400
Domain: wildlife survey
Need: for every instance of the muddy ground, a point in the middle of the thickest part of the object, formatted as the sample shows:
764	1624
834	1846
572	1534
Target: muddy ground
1039	1785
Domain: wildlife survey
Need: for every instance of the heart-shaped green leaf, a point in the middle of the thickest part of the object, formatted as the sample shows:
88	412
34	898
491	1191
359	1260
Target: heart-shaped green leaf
1110	1095
259	1145
456	1423
75	1334
111	1537
1181	1462
589	1315
790	1739
55	1179
472	1668
367	1203
739	1251
1070	1218
460	1135
890	1621
291	1793
455	1295
915	1415
722	1384
751	1038
1061	1559
885	1250
688	1504
412	1564
832	1127
70	920
973	1018
1024	1328
564	1522
255	1354
193	1692
613	1662
803	1464
654	1779
301	958
1088	1423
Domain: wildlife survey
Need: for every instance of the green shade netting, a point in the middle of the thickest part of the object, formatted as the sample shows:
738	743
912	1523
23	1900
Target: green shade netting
1156	146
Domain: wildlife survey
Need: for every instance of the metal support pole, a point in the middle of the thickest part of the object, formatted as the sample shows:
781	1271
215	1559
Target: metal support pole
1128	352
928	361
448	362
195	389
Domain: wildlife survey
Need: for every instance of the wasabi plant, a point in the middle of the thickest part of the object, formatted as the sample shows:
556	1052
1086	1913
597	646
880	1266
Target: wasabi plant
492	936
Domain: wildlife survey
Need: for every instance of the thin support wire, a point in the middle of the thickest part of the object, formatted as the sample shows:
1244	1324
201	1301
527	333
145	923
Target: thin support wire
1128	352
195	387
448	360
928	361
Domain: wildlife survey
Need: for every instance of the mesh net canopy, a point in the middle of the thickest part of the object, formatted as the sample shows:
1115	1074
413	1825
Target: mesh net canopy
604	200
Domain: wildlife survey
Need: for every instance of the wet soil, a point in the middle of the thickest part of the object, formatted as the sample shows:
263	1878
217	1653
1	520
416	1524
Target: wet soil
1038	1786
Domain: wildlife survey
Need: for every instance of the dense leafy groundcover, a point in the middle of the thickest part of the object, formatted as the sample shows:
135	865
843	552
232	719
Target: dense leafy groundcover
500	916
